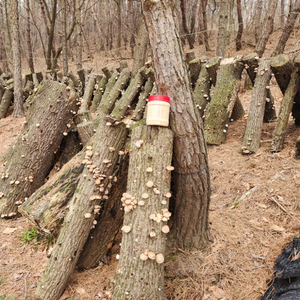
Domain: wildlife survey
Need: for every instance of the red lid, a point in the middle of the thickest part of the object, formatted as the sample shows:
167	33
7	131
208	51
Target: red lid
159	98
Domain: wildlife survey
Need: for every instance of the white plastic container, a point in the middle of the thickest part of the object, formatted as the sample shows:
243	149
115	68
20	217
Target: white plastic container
158	110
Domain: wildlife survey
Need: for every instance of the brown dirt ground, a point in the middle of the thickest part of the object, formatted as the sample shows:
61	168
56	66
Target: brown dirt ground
245	240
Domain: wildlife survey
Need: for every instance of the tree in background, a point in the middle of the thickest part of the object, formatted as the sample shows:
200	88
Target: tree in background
17	67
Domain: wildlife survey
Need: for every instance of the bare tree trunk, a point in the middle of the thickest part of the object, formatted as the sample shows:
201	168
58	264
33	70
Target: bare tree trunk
266	28
205	28
141	48
184	24
257	19
3	54
282	14
28	38
288	28
78	35
143	242
64	38
225	16
191	178
238	42
16	47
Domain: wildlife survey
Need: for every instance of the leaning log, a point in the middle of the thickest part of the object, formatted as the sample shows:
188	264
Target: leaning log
146	204
5	102
220	108
128	96
251	65
194	69
251	140
212	66
30	158
98	94
201	94
91	193
142	101
85	126
88	93
286	109
110	96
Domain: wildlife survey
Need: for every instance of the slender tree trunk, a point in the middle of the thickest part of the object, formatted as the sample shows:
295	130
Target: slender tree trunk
18	92
204	20
6	5
191	178
51	34
288	28
64	39
3	54
257	19
28	37
78	35
225	16
140	53
119	34
184	23
266	28
282	14
238	42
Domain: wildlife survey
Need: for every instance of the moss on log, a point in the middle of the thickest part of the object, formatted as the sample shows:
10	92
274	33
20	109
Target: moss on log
225	95
5	102
30	158
144	228
212	67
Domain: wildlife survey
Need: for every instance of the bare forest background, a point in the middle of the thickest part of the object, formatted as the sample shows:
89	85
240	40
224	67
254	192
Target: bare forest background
109	28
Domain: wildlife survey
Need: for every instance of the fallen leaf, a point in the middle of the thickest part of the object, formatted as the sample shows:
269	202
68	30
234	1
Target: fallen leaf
262	205
9	230
17	276
277	228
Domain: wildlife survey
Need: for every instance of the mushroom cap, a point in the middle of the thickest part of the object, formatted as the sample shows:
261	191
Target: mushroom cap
159	258
87	215
149	184
145	196
141	203
143	257
151	255
149	170
165	229
126	228
170	168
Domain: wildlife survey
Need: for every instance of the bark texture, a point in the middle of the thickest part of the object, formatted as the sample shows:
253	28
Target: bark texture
85	205
191	178
286	106
251	140
98	94
30	158
225	95
16	50
224	29
137	278
88	93
266	28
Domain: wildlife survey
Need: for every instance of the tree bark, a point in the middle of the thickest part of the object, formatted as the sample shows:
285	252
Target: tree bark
288	28
225	16
128	96
212	67
78	31
88	94
238	41
16	49
28	38
140	52
194	69
217	115
98	94
251	65
64	38
85	205
201	93
257	19
30	159
114	88
203	5
286	109
6	101
251	140
142	101
266	28
191	178
184	24
143	225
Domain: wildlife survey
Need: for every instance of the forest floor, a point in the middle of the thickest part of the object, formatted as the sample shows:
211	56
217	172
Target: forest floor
245	240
